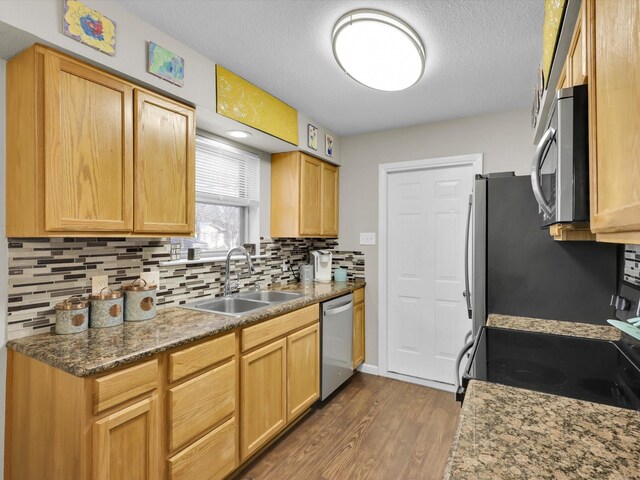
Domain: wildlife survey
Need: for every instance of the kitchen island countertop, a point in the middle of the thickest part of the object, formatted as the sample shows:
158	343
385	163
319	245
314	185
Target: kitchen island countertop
98	350
507	432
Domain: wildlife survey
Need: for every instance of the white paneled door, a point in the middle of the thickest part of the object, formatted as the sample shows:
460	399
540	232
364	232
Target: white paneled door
426	312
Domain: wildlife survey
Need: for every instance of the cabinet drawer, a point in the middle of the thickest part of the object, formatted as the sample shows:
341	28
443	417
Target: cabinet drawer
125	384
190	360
358	296
279	326
210	458
200	403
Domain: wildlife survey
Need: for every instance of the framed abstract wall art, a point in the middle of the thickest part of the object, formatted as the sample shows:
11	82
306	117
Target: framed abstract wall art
165	64
88	26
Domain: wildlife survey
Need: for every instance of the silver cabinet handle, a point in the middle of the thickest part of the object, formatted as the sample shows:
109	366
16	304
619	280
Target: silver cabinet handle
340	309
547	138
467	293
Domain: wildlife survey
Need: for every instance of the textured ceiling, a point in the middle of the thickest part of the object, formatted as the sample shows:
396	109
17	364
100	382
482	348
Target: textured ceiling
481	54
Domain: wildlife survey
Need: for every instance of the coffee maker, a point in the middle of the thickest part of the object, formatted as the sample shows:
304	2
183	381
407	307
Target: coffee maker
321	260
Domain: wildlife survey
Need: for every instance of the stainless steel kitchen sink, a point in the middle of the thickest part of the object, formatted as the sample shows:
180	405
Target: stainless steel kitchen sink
232	306
243	303
270	296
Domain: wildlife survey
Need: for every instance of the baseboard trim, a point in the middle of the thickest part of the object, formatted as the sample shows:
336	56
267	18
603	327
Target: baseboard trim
420	381
368	368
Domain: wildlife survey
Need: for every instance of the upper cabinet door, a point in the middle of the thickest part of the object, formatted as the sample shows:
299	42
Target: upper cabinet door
614	121
329	195
88	151
310	193
164	165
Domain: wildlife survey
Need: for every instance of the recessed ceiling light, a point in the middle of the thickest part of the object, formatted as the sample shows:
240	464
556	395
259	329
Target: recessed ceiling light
378	50
238	134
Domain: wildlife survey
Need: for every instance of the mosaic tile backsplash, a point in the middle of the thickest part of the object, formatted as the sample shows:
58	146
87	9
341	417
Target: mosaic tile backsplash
44	271
632	264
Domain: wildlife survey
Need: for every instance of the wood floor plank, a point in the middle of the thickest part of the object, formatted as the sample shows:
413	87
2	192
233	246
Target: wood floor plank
374	428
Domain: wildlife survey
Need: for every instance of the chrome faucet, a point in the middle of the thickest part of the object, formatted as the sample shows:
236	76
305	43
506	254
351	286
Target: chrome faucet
227	280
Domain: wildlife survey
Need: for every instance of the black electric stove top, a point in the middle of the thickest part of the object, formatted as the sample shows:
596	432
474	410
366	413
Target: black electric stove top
594	370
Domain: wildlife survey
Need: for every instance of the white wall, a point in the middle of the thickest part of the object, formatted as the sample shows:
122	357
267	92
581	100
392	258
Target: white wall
504	138
4	272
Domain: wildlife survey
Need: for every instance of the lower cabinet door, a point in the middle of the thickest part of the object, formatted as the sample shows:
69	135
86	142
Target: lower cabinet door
263	400
126	443
303	370
210	458
358	334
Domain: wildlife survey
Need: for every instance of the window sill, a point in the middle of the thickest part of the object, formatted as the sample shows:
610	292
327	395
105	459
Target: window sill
205	260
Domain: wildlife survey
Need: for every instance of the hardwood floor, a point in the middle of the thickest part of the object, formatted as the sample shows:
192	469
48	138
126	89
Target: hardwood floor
374	428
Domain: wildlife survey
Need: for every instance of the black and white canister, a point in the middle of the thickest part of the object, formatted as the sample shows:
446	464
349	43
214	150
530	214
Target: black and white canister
139	301
72	316
106	308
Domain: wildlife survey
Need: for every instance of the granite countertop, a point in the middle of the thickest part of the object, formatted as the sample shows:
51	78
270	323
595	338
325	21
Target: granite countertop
97	350
508	432
556	327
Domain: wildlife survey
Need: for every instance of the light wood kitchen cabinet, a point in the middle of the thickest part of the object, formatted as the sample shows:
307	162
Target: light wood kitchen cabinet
71	163
575	69
264	395
614	123
281	378
358	328
329	200
130	423
576	62
303	369
304	196
164	169
60	426
88	148
203	410
126	444
310	195
115	388
199	404
212	457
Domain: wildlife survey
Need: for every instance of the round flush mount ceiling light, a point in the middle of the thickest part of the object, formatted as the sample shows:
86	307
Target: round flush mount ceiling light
378	50
238	134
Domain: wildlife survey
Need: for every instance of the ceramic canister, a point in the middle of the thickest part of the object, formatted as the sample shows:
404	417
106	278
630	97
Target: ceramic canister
106	308
139	301
72	316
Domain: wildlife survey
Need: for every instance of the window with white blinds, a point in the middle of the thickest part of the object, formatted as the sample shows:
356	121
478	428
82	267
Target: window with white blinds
227	197
226	175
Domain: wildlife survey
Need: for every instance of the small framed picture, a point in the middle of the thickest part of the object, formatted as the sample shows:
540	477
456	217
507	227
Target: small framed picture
328	145
312	137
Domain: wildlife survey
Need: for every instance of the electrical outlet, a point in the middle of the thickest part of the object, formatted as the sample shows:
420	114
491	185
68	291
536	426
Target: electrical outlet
152	277
368	238
99	282
285	265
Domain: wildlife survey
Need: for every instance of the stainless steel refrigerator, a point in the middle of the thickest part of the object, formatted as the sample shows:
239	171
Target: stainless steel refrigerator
519	269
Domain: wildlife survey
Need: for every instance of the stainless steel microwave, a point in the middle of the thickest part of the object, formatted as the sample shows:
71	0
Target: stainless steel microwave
560	170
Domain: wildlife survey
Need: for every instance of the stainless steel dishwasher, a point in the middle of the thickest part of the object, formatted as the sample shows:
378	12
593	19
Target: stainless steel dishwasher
337	343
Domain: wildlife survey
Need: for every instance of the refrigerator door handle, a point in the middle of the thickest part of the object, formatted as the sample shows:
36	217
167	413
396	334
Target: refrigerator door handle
541	149
467	294
459	359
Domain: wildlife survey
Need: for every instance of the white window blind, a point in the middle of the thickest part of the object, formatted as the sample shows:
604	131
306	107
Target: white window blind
226	175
